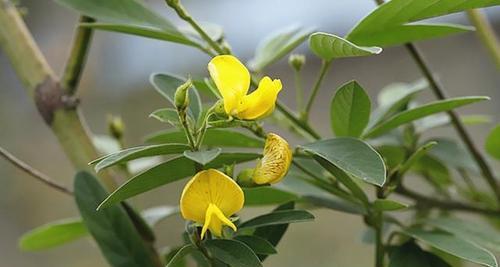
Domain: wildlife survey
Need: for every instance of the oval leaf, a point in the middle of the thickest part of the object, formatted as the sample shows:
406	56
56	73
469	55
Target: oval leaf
203	157
259	245
350	110
278	217
168	115
328	47
411	255
53	234
232	252
492	144
180	255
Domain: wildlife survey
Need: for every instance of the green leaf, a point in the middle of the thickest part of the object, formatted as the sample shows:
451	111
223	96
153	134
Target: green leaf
454	245
142	31
411	255
416	156
468	230
112	228
213	137
433	169
232	252
137	152
352	156
259	245
393	21
53	234
266	195
388	205
278	217
328	47
168	172
350	110
214	31
335	204
180	255
420	112
166	84
440	120
277	45
203	157
167	115
492	144
156	214
461	157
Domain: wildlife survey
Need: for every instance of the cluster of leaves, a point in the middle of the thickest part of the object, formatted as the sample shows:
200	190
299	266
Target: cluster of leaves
371	149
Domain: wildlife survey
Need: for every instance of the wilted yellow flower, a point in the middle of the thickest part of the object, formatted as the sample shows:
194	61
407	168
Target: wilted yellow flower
209	199
232	79
275	162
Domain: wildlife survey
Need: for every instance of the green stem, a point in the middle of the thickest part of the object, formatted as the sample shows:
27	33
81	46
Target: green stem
379	245
486	33
187	131
322	72
77	57
299	91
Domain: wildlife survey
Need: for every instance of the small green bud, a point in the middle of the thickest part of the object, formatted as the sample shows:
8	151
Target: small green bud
245	178
116	126
173	3
219	109
296	61
181	97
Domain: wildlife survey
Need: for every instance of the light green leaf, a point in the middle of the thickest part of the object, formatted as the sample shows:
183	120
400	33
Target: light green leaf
492	144
112	229
259	245
203	157
352	156
135	153
416	156
350	110
411	255
156	214
420	112
213	137
180	255
393	20
232	252
388	205
328	47
266	195
168	172
278	217
168	115
468	230
433	169
454	245
277	45
53	234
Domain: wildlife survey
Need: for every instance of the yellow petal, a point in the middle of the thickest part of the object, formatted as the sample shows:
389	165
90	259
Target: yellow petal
260	102
231	78
276	160
208	193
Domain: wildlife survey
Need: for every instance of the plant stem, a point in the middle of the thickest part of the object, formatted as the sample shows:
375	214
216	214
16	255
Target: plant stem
486	33
77	57
322	72
456	122
379	245
187	131
299	91
34	172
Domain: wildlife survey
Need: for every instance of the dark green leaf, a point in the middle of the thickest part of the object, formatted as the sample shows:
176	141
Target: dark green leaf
232	252
335	204
154	215
411	255
137	152
328	47
180	255
278	217
388	205
112	229
167	172
203	157
492	144
53	234
213	137
352	156
420	112
277	45
259	245
454	245
168	115
350	110
266	195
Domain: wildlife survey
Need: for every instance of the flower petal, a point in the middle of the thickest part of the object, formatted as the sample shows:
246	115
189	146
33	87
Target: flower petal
232	79
276	160
260	102
210	187
214	220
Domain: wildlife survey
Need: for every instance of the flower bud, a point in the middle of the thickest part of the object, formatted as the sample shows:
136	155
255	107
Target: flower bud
296	61
116	126
181	97
219	109
245	178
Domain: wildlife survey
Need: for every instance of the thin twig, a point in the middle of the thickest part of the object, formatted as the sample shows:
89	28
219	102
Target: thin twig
322	72
34	173
486	33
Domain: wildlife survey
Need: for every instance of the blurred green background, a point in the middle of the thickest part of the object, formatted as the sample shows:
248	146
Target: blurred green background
116	82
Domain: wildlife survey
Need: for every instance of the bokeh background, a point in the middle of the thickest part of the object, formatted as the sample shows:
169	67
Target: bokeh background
115	81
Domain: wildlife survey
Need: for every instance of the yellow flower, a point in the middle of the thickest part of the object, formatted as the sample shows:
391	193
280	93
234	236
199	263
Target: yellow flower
276	160
209	199
233	81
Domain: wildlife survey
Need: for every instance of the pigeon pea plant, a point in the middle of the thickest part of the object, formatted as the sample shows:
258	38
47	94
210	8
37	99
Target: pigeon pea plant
373	151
